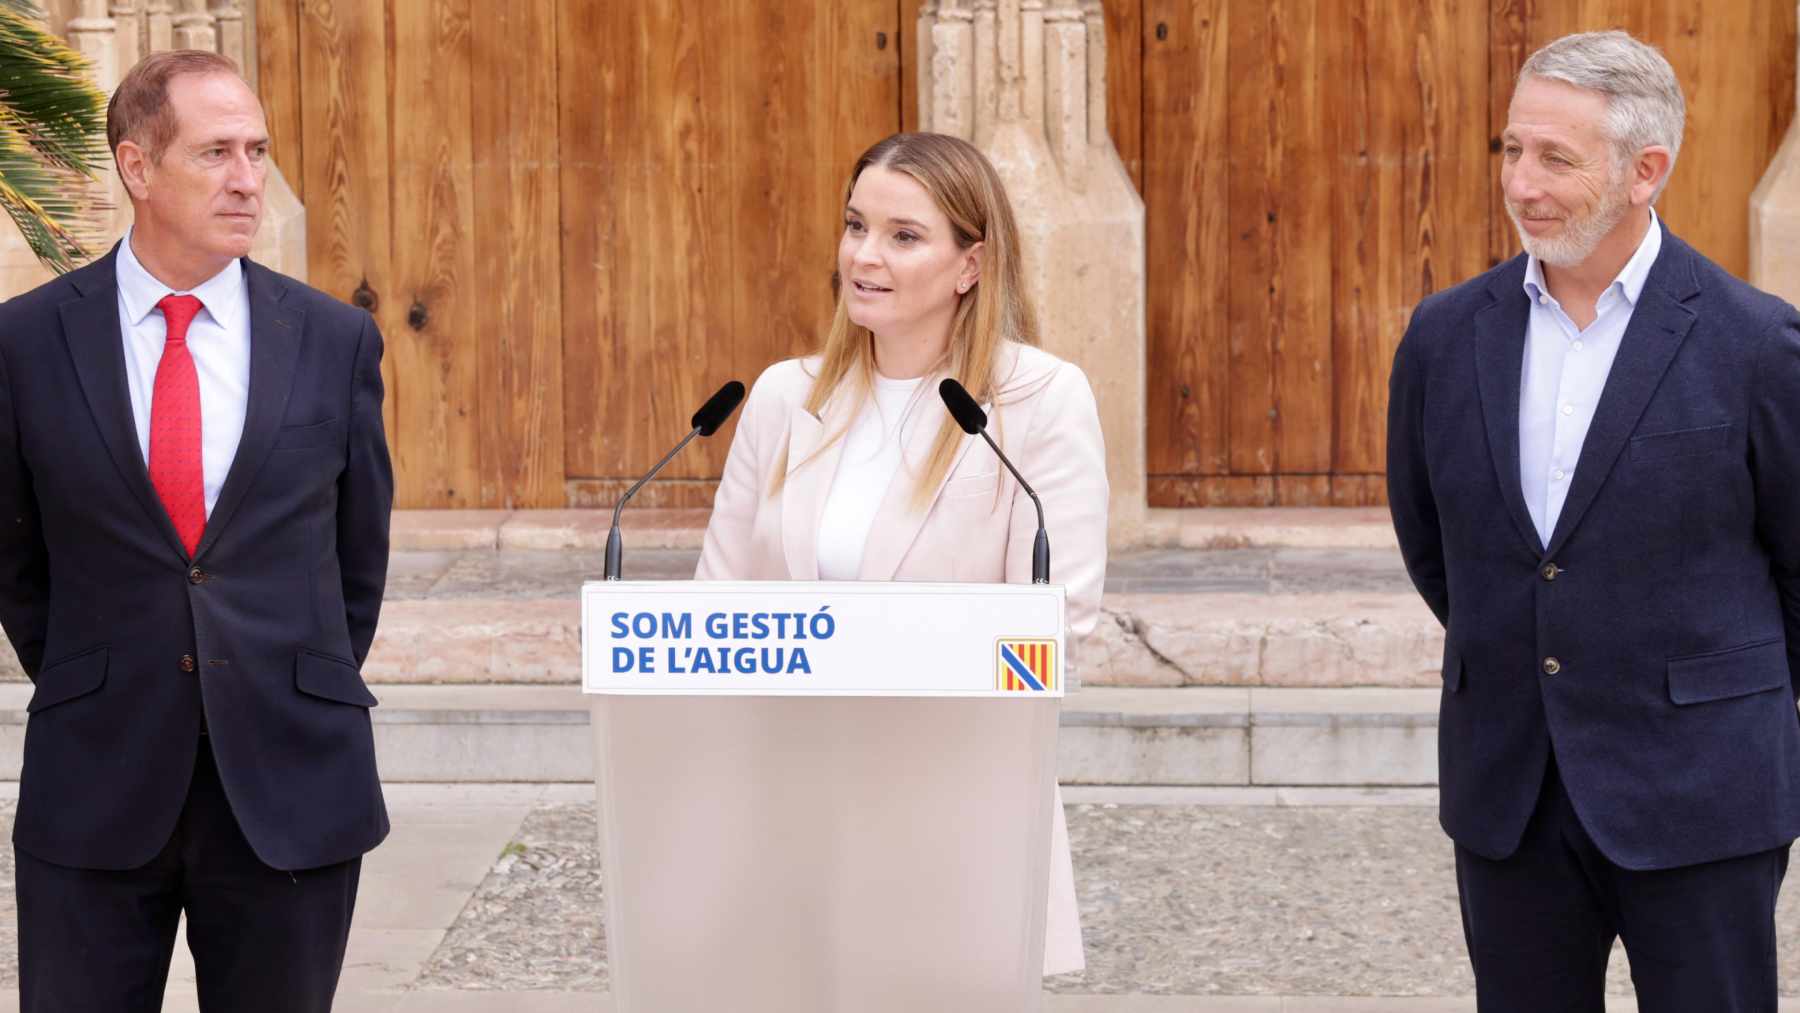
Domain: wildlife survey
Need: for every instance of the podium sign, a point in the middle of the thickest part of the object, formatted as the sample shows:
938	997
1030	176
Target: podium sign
822	638
817	797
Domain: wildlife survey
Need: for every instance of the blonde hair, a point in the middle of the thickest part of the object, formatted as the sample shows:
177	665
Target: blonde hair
965	187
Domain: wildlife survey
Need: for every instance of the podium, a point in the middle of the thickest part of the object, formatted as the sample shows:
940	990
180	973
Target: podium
824	796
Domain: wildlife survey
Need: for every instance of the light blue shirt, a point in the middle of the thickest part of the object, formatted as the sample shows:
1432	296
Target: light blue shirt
1565	371
218	339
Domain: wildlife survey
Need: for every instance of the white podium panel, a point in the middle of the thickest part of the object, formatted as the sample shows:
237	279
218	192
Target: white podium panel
869	834
821	639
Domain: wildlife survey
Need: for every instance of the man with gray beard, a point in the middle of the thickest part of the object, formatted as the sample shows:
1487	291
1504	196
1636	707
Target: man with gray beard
1594	472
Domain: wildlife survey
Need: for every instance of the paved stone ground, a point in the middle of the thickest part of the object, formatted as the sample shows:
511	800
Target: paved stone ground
416	576
1176	900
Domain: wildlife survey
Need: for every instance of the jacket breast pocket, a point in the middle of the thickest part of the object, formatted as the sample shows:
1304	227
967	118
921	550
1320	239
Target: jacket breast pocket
1680	443
1722	675
318	434
965	487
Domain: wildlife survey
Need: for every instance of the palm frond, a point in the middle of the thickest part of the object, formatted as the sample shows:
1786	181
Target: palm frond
52	138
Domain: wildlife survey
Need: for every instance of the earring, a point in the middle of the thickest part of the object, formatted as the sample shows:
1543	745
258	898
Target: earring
964	287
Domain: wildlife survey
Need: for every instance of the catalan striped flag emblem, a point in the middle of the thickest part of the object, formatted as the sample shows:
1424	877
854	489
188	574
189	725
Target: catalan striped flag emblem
1027	666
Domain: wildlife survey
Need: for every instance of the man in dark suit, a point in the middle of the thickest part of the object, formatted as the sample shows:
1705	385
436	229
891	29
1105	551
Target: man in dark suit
194	500
1594	472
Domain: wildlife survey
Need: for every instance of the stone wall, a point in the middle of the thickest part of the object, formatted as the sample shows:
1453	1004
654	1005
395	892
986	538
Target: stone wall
1025	80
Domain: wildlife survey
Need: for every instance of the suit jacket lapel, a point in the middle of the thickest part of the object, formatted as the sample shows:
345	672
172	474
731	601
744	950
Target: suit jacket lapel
1659	324
805	488
275	330
1499	363
898	521
93	333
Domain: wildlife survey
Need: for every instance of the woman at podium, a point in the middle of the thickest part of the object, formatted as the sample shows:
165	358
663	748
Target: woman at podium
847	465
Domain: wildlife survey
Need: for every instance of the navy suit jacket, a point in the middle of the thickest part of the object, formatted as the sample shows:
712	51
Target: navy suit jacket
1668	597
273	614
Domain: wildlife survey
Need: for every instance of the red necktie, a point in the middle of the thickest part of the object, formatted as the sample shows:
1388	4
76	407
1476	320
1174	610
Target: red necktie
175	463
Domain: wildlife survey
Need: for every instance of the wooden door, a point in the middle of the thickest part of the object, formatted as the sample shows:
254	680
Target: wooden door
1310	171
706	149
573	219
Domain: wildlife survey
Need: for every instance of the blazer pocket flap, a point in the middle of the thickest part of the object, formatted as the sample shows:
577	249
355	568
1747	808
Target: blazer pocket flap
965	486
1453	668
1681	443
331	679
68	679
1722	675
318	434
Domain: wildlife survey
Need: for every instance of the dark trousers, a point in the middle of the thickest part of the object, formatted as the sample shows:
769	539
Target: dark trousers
264	941
1541	924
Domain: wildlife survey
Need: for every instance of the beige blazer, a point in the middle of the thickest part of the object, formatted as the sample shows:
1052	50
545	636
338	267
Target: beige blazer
979	525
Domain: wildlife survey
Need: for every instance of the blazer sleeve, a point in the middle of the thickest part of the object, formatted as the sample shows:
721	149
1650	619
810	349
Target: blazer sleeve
725	553
24	559
1409	483
1775	468
365	497
1065	461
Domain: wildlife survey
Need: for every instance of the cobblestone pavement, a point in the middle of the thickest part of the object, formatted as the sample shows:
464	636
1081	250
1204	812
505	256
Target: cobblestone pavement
526	574
1175	900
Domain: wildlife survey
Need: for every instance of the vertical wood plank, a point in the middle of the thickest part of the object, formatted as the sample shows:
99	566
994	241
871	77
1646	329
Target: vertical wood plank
1369	213
1187	197
647	226
343	63
1280	206
437	390
278	81
517	212
1254	129
1126	38
908	35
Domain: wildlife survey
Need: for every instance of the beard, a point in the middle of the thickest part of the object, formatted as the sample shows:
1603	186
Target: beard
1581	233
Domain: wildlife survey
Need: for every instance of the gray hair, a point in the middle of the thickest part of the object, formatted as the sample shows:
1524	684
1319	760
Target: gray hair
1644	105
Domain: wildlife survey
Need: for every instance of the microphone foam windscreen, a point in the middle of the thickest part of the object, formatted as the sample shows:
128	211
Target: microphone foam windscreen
718	408
962	407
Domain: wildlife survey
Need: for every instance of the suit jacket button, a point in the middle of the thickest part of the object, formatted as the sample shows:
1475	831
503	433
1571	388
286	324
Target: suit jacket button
1550	571
1552	666
187	663
196	576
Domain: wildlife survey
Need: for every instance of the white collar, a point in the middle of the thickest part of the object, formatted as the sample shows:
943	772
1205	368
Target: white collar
141	291
1632	277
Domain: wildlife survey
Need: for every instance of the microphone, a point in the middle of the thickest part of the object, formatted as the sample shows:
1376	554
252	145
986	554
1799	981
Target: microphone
706	422
973	421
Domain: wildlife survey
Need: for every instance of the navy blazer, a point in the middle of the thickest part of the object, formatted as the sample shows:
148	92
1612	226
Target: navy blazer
264	629
1652	642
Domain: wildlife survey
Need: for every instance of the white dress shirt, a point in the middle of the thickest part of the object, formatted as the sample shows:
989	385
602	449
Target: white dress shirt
219	341
1565	372
872	458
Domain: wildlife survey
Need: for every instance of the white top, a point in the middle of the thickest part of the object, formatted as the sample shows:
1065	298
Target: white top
218	339
872	458
1565	372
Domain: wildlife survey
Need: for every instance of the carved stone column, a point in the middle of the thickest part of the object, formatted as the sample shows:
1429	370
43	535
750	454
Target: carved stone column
91	33
194	27
1025	80
1775	220
228	16
128	17
159	26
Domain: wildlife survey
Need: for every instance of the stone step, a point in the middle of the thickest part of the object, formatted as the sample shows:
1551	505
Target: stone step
1172	617
1236	737
1274	617
1198	528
